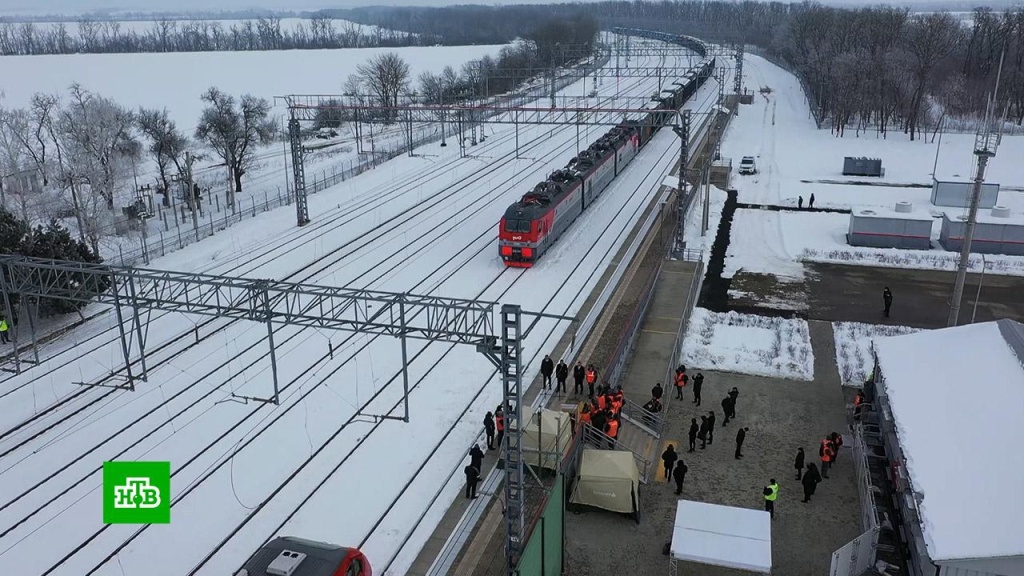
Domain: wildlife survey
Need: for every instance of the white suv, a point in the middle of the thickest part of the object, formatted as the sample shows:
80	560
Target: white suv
747	165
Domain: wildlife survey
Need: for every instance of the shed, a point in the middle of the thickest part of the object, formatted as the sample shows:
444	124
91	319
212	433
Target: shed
727	536
546	437
862	166
957	488
958	194
900	227
997	232
608	479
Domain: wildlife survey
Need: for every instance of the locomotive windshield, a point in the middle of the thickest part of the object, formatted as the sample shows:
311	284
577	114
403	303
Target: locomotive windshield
517	225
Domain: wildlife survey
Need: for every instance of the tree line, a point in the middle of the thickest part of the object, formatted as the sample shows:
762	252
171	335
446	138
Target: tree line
75	156
88	36
874	68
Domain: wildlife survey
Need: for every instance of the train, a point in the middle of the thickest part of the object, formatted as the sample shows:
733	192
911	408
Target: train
534	223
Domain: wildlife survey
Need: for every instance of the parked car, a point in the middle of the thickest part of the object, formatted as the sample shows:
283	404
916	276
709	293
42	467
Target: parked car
747	165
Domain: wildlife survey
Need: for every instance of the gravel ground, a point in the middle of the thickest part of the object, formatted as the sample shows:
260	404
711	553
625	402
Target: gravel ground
782	415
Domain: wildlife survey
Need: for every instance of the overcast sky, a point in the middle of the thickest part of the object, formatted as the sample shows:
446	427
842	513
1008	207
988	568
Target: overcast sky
71	7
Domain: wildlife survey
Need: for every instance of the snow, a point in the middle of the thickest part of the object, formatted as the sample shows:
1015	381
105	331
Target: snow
854	358
719	535
796	159
956	396
749	344
384	230
176	80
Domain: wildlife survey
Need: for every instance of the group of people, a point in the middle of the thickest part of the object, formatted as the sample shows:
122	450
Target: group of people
603	411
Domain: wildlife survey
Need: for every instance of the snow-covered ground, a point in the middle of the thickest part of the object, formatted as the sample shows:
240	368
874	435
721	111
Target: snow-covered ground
749	344
795	159
176	80
424	224
854	358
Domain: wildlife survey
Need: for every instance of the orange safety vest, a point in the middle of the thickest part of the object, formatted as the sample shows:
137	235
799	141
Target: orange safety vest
585	417
601	402
681	379
616	406
499	422
826	453
858	399
591	376
613	428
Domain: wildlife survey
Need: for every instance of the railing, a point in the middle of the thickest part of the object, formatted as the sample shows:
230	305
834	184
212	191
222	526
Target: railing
653	422
600	440
691	301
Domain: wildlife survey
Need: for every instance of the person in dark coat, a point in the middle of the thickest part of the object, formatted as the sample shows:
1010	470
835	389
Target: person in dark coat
547	367
472	479
578	373
561	375
669	457
499	424
694	429
733	395
703	432
711	427
810	481
698	381
887	299
800	202
476	457
657	392
810	201
726	409
489	430
599	420
837	443
799	462
740	437
679	475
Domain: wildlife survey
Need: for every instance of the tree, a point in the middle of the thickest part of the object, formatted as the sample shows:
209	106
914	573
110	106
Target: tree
386	76
235	133
166	143
54	242
930	39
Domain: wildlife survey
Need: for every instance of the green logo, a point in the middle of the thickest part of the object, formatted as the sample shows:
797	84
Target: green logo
136	492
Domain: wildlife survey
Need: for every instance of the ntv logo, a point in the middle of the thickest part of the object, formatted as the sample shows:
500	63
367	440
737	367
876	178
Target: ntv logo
136	492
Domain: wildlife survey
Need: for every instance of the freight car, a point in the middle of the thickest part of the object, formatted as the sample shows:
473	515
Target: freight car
531	225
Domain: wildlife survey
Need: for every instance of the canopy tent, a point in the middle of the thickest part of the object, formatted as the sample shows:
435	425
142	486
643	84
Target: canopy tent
718	535
608	479
546	436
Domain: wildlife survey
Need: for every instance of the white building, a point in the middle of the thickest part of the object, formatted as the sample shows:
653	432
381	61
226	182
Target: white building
948	407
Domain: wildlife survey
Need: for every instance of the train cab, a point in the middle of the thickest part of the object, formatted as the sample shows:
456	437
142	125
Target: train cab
290	556
517	239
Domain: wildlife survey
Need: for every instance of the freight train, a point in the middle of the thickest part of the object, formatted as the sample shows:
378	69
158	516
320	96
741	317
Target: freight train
531	225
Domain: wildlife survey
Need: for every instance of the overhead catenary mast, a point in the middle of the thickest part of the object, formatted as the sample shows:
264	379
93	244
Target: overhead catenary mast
986	141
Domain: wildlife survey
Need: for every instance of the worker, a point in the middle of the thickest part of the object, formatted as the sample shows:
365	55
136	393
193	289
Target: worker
681	379
578	374
602	402
657	391
585	414
499	423
591	378
3	331
858	404
771	493
825	452
669	457
837	443
472	479
489	430
613	430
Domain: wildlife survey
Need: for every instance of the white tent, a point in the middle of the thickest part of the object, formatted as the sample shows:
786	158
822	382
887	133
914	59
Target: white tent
738	538
546	437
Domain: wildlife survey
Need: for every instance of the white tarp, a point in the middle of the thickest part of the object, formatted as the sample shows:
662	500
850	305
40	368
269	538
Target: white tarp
726	536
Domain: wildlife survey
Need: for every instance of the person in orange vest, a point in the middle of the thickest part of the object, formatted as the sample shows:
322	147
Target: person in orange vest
825	452
499	423
585	414
837	443
858	404
591	379
602	402
681	379
613	430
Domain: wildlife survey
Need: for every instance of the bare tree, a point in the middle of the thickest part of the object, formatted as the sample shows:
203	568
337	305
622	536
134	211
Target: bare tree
235	133
166	143
930	39
387	76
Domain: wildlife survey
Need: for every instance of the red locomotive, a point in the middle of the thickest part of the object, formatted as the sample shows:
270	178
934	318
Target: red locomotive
535	222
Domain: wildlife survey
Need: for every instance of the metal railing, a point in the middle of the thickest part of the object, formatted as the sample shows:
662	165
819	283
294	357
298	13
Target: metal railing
598	439
691	302
652	422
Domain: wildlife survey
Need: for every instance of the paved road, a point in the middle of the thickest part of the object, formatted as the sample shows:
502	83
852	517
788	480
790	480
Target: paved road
920	297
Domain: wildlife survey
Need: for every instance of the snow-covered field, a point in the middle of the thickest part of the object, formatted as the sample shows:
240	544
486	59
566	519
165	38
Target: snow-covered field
424	224
853	348
749	344
176	80
795	160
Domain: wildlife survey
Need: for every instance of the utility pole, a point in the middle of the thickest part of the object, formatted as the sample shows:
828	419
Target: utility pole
986	141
